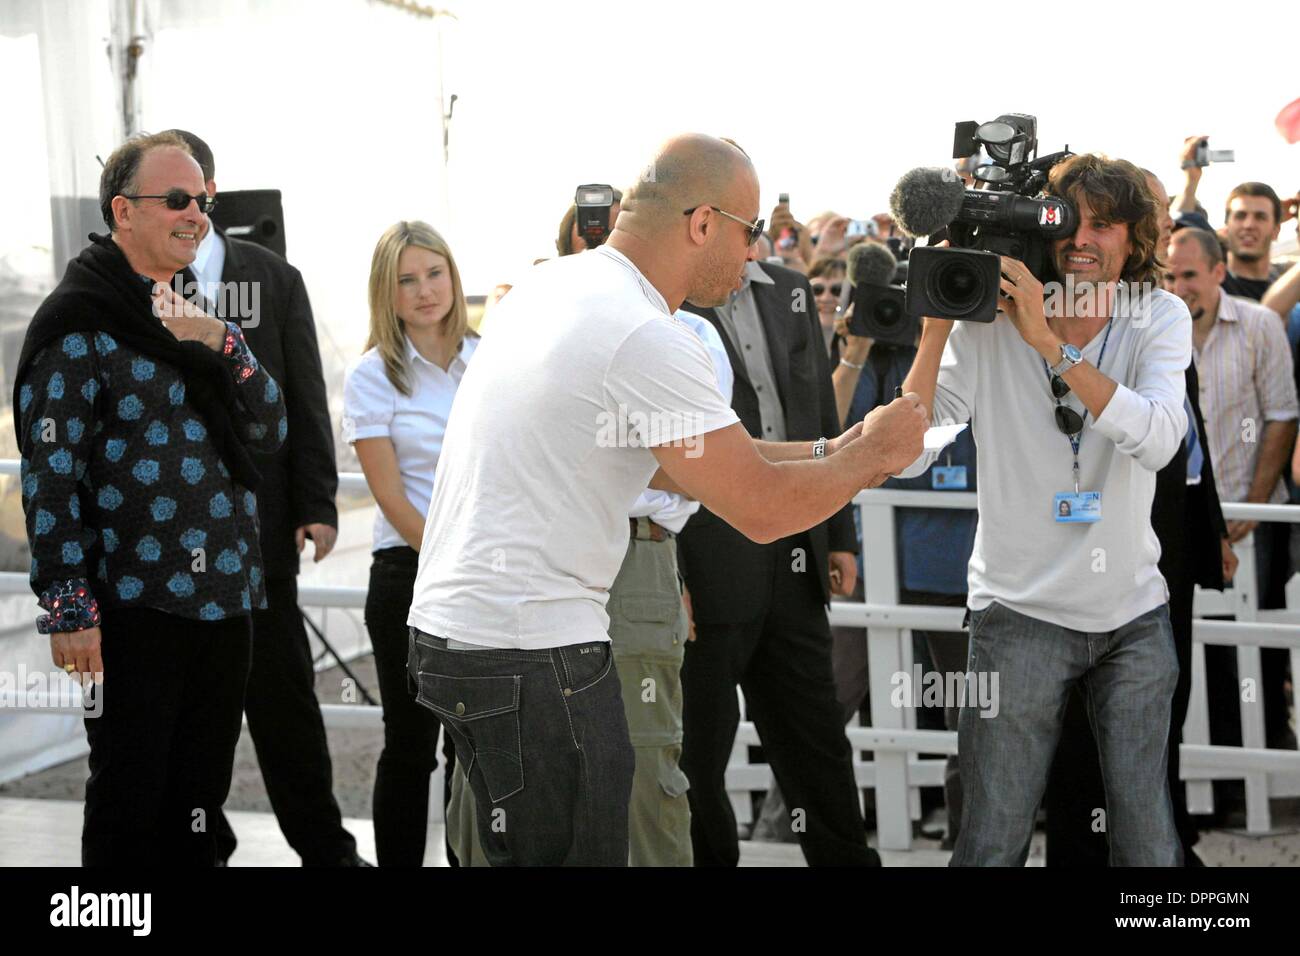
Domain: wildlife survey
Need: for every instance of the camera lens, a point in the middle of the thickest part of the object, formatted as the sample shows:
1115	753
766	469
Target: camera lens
955	286
887	313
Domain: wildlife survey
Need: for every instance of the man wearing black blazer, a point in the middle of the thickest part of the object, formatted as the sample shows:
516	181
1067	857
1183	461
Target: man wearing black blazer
295	501
760	609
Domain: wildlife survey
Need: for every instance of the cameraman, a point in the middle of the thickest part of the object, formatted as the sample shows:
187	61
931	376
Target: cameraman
1058	599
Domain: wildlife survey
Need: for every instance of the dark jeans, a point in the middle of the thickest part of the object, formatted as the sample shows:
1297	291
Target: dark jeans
544	741
1128	676
1075	790
162	750
285	723
781	657
410	754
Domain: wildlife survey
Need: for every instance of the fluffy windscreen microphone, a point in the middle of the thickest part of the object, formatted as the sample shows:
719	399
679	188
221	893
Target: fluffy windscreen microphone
871	263
925	200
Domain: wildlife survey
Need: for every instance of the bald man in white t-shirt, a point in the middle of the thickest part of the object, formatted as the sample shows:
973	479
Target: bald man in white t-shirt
587	390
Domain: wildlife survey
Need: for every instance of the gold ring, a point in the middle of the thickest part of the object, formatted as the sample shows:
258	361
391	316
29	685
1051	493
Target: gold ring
69	667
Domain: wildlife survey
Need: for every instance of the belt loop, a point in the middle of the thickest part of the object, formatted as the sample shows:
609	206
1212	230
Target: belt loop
643	529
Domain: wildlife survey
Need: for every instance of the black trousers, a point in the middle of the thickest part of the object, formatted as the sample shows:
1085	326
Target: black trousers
288	733
410	754
163	745
780	655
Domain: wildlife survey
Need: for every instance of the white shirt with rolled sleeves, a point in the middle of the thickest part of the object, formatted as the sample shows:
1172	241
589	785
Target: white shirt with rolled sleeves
544	454
1085	577
664	508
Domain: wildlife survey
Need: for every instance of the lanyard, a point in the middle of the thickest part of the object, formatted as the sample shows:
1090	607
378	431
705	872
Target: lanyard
1077	439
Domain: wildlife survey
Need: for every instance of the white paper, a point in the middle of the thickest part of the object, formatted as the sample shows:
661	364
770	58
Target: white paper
940	436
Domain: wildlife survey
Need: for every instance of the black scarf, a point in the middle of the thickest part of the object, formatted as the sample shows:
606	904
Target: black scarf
100	292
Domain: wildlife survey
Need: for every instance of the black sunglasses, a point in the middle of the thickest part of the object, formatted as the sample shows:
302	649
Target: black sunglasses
1060	388
1068	420
836	288
179	199
755	228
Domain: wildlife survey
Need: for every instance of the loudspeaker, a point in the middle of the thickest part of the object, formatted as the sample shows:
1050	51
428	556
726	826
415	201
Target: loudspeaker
252	214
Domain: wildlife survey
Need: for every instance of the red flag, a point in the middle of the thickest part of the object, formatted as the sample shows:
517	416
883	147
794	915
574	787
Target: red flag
1288	122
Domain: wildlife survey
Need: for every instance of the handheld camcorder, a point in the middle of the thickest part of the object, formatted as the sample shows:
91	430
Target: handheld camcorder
1005	215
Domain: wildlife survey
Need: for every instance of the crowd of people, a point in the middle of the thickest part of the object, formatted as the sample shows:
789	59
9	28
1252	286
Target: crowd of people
630	496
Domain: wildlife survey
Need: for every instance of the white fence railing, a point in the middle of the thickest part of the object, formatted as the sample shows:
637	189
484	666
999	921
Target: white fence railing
898	771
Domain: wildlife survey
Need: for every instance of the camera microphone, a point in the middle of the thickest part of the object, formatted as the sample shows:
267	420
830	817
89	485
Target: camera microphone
871	263
926	199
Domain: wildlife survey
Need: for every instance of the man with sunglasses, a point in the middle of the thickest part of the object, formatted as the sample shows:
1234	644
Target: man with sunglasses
137	416
1076	403
587	390
295	502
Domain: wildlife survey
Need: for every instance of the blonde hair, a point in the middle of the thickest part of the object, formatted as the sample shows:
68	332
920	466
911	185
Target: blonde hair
386	332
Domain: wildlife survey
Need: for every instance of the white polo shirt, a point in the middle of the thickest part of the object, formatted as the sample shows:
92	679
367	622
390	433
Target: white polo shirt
1084	577
415	423
547	450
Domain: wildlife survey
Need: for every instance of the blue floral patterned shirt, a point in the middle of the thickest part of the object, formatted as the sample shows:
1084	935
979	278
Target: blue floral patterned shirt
128	502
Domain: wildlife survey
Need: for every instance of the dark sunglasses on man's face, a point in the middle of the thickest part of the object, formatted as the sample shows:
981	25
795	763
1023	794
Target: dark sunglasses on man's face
178	199
835	287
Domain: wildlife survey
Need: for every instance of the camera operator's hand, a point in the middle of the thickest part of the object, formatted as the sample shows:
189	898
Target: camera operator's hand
1187	159
895	433
1022	301
856	347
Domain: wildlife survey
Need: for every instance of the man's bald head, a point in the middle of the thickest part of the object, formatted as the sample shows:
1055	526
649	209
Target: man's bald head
690	170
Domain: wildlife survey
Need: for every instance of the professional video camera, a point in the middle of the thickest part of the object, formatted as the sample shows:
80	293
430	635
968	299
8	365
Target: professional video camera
1007	215
877	297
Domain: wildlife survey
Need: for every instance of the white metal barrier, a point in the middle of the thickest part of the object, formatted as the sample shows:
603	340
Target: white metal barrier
897	769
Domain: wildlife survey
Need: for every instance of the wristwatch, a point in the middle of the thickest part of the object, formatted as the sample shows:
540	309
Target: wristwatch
1070	357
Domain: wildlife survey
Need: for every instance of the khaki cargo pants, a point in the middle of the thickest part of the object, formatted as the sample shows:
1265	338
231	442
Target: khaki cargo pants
648	628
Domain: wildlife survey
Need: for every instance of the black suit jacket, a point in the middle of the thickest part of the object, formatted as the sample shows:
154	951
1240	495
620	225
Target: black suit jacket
300	480
1188	519
723	568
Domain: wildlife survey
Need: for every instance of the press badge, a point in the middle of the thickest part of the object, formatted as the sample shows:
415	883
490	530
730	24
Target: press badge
948	477
1077	507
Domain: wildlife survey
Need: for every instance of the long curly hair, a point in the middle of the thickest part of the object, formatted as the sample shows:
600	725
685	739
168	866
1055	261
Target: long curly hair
1116	190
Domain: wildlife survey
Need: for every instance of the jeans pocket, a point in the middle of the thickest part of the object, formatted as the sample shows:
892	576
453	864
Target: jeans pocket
585	665
485	712
979	618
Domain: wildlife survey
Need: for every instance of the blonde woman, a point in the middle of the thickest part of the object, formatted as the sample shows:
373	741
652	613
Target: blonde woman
396	401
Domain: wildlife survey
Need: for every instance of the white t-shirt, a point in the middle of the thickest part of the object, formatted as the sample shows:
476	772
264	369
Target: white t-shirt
664	508
414	423
1086	577
546	452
